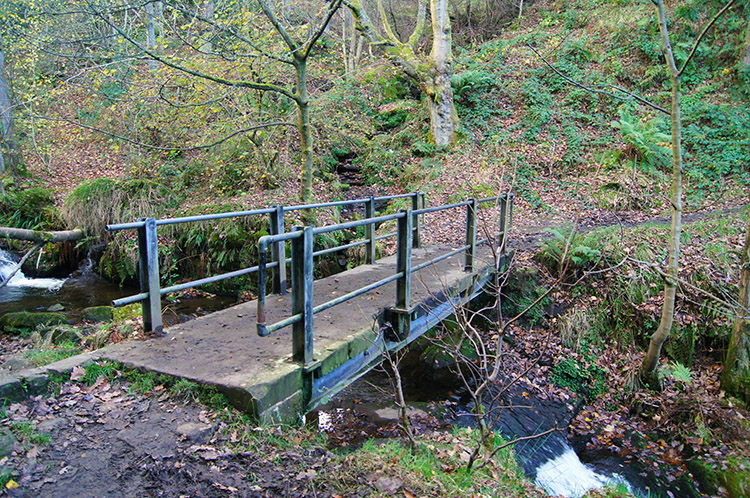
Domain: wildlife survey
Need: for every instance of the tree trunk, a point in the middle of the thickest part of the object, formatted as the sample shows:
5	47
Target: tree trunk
208	13
651	361
305	132
10	157
151	36
443	117
747	47
736	376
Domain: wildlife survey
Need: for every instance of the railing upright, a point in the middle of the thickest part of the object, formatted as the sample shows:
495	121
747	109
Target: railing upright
415	222
471	234
403	262
302	296
370	231
278	250
148	268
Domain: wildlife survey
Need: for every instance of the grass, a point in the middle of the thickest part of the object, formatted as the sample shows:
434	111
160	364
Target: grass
50	354
436	467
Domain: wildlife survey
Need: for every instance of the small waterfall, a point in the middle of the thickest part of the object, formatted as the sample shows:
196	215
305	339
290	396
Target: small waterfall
565	475
20	280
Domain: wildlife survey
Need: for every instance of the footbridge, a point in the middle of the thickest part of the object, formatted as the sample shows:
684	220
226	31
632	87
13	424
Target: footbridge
303	340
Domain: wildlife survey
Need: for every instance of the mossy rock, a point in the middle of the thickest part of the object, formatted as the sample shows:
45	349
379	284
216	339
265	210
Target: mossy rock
98	314
22	322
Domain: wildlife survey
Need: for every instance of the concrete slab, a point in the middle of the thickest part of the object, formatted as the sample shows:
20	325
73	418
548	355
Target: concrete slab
223	349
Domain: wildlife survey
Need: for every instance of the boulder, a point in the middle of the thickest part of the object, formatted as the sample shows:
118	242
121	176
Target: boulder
98	314
23	322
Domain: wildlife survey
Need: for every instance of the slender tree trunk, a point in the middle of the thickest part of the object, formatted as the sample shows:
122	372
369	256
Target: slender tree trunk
150	33
208	13
10	157
747	47
651	361
736	376
443	117
305	131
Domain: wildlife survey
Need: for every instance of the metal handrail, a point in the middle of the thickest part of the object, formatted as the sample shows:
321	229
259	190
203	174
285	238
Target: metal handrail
151	290
265	241
302	286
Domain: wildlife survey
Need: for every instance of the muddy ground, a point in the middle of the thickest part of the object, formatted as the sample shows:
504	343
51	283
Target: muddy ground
103	441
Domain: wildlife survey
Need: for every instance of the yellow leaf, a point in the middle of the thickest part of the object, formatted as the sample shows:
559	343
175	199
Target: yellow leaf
11	484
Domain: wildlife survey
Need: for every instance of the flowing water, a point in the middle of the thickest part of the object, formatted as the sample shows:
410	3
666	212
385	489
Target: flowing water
83	289
365	409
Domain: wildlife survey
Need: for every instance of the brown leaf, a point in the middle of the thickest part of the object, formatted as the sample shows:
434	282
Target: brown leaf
77	373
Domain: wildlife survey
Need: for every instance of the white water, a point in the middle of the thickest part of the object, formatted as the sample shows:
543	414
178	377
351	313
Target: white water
566	475
20	280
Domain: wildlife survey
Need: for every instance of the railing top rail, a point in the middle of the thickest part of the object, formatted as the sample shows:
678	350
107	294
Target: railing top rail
439	208
266	240
324	204
495	198
188	219
237	214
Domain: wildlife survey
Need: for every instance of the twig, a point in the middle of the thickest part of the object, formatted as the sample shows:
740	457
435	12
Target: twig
517	440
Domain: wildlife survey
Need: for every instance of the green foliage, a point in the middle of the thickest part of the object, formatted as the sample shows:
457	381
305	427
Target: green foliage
471	81
32	208
716	139
520	293
581	374
580	255
647	144
679	372
210	248
27	432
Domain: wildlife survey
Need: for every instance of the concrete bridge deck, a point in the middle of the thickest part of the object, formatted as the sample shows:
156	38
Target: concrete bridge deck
257	373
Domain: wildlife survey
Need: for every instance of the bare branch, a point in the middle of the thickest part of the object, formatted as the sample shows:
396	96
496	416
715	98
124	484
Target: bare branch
596	90
703	33
156	147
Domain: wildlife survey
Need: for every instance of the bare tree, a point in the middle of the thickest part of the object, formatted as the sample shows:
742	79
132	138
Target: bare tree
651	360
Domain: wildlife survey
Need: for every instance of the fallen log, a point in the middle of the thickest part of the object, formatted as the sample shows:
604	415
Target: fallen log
41	236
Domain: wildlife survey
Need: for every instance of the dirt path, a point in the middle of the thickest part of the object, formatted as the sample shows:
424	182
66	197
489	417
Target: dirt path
106	442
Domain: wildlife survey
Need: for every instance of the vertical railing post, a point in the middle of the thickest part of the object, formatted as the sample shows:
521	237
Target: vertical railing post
370	231
471	234
403	261
302	296
148	268
415	220
279	251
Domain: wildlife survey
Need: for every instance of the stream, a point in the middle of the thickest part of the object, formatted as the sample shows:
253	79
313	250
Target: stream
366	409
83	289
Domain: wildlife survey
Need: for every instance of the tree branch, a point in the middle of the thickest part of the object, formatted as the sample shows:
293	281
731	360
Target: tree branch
156	147
333	7
223	81
703	33
596	90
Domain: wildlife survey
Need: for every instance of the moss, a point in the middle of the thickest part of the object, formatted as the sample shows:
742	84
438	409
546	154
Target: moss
98	314
21	322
